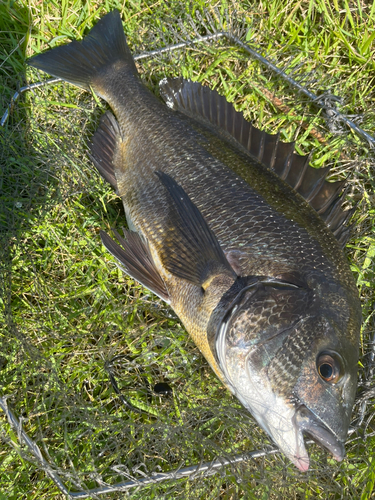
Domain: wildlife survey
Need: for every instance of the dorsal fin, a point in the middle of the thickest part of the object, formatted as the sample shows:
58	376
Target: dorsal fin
193	99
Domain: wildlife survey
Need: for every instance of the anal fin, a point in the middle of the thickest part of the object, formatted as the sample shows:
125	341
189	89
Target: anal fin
134	258
104	146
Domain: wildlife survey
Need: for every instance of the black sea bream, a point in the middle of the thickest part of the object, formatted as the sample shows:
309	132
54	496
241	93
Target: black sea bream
237	233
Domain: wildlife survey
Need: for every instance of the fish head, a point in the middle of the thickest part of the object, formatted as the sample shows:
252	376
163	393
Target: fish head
290	363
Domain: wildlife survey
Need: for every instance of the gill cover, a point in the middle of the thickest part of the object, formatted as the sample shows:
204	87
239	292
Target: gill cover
268	341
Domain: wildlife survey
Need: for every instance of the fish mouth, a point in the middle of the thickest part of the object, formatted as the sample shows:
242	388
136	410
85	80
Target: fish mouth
311	426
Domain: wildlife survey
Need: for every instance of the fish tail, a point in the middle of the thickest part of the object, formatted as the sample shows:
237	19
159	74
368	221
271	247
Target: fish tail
82	63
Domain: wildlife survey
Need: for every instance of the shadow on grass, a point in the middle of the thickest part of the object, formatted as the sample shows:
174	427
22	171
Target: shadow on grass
23	173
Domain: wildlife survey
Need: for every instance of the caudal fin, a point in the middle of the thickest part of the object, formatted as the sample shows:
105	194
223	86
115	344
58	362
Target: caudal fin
81	62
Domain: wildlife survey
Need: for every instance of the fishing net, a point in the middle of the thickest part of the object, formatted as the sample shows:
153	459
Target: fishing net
101	388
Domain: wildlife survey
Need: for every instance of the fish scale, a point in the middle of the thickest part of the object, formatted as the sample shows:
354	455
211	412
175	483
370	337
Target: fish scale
255	221
225	227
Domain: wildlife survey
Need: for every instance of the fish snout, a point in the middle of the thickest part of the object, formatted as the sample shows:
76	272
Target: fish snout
311	426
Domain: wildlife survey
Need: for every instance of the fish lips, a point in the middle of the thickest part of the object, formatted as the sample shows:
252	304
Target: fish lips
311	426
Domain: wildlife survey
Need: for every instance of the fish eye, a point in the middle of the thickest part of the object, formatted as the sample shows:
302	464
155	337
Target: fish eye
329	366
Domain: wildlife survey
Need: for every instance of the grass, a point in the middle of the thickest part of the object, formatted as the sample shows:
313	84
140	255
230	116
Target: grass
66	310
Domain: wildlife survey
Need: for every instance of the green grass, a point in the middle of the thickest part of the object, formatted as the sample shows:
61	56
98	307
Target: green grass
65	307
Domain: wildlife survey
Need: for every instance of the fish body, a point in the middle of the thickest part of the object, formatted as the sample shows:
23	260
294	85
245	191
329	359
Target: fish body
240	236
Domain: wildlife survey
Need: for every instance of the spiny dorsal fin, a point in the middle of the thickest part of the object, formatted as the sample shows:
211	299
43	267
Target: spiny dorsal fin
190	249
103	147
134	258
194	100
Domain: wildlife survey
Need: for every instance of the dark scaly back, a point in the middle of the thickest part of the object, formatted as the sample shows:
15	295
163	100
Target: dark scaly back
196	100
264	226
102	60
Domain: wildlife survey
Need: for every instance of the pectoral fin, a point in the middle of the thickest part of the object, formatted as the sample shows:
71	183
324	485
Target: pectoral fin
190	249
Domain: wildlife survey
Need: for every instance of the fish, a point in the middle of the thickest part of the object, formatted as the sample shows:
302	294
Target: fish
240	235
